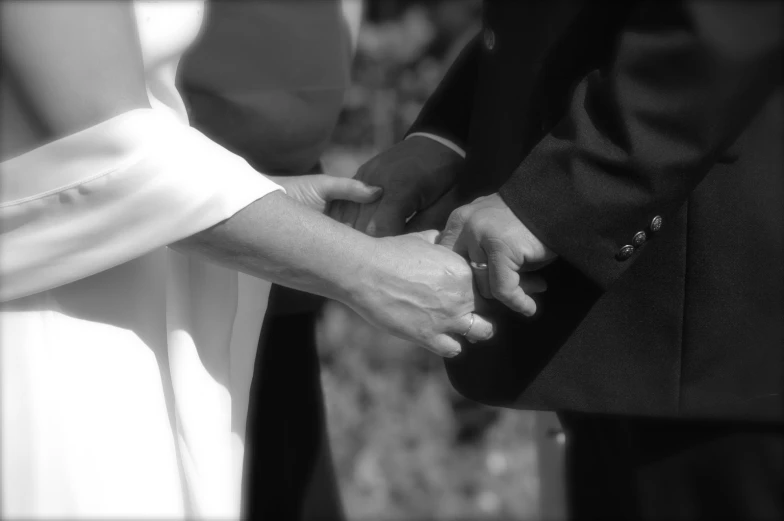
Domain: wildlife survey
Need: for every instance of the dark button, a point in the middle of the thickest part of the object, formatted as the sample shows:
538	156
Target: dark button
656	224
639	239
489	39
626	252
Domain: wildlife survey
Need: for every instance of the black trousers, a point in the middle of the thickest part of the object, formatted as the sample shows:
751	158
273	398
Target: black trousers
654	469
289	472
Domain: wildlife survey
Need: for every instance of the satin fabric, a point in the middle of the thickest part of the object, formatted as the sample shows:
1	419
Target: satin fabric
125	366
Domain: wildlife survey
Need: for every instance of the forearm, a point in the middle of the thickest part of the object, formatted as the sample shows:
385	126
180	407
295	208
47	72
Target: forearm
643	130
280	240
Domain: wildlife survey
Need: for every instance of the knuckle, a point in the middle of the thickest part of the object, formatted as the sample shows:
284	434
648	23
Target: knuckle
461	214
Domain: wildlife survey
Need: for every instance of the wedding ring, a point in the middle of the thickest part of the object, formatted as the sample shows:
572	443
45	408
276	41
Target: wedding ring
469	325
478	265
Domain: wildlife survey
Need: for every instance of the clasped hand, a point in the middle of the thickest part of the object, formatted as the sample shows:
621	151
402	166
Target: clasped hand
411	287
417	177
503	252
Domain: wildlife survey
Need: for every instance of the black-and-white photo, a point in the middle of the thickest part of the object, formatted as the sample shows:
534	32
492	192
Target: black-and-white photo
391	260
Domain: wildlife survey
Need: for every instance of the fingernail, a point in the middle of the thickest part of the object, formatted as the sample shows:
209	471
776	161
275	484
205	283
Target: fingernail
454	353
376	190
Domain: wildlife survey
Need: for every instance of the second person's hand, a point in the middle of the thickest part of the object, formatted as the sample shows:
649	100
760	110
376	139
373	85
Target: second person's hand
413	174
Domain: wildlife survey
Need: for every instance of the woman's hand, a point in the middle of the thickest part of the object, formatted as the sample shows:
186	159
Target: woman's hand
421	292
316	191
405	285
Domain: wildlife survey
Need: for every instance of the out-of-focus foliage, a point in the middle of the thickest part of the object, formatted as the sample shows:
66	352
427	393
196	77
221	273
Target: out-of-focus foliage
398	63
406	445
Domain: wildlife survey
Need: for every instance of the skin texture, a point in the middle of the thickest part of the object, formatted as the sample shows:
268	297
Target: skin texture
414	174
79	64
487	231
417	176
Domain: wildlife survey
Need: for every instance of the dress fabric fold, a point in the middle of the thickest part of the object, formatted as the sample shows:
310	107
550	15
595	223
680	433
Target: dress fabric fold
125	365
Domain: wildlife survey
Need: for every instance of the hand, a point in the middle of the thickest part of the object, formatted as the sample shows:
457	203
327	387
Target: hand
488	232
316	191
435	216
420	292
414	174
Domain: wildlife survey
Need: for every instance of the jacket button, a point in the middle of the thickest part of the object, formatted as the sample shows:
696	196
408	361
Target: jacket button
626	252
656	224
489	39
639	239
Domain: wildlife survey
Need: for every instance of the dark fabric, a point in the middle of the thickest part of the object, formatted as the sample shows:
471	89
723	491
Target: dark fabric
454	124
288	462
650	469
591	118
267	79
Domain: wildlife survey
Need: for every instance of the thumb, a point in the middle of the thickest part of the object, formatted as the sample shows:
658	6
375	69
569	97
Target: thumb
348	189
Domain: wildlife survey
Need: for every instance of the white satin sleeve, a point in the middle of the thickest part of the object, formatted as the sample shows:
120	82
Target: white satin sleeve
112	193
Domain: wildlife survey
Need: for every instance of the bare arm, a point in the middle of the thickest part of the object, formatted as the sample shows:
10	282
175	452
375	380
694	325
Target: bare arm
283	241
80	64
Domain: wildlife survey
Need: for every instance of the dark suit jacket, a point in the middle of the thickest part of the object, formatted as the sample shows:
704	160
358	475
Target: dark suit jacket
593	119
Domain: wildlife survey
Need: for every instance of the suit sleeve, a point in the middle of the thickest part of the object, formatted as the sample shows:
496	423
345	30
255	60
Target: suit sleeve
447	113
642	132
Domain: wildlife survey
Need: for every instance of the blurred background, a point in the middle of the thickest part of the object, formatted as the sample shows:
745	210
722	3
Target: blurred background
406	445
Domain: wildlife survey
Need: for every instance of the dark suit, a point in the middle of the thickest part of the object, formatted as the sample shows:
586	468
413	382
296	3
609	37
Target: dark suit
267	81
642	142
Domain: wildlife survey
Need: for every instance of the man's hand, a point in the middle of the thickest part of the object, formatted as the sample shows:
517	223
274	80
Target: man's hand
488	233
414	174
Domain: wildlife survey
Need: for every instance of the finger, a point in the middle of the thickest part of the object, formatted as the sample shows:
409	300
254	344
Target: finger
481	276
349	189
532	283
505	287
334	210
454	226
345	212
444	345
481	330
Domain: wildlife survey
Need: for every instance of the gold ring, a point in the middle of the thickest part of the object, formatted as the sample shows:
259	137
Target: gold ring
478	265
470	325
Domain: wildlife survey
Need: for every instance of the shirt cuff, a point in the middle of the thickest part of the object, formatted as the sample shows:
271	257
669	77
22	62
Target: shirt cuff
449	144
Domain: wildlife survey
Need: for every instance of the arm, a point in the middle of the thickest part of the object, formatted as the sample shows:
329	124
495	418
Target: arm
639	135
160	182
395	283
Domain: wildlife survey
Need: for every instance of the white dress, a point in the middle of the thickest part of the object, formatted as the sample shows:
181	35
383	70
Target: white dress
125	366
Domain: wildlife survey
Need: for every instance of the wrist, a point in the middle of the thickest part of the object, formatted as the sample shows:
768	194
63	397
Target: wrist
356	275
